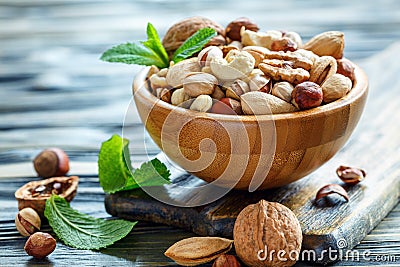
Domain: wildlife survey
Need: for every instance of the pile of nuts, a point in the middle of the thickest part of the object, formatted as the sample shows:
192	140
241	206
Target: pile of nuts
246	71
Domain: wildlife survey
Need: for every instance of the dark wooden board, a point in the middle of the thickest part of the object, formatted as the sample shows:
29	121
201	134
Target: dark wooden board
374	146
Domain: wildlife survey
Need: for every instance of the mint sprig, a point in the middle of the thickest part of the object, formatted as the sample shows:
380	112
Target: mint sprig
152	52
114	168
194	44
80	230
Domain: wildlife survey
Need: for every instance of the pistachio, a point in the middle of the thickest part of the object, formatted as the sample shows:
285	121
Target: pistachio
237	88
178	97
283	90
199	83
179	71
218	93
323	68
207	54
27	221
202	103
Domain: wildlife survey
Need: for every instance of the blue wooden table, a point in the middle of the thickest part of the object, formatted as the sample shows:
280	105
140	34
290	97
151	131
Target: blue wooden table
54	91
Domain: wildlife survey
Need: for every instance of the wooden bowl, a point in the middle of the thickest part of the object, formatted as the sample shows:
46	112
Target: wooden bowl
251	152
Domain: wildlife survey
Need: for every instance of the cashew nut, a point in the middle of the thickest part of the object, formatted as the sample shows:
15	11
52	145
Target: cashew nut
238	64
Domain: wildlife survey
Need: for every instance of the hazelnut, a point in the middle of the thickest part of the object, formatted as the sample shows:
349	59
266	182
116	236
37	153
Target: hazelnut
51	162
233	29
346	68
207	54
284	44
307	95
226	261
39	245
264	227
27	221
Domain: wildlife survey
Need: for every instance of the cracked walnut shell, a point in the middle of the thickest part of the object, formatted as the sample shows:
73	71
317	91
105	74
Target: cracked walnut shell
263	227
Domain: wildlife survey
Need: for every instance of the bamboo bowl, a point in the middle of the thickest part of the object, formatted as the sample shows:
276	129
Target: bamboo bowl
251	152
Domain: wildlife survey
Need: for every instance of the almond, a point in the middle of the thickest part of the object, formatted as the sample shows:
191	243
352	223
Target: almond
327	44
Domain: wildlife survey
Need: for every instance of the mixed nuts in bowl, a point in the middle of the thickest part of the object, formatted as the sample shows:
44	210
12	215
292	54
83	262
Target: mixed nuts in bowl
258	111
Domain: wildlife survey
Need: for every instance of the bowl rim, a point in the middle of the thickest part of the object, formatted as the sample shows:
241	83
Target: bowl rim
360	87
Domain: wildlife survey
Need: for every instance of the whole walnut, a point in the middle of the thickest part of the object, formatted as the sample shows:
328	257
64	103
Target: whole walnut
267	234
182	30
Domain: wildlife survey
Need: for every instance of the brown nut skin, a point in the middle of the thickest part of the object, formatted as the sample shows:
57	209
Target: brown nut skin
307	95
27	221
350	175
51	162
40	245
226	261
346	68
267	226
227	106
233	29
331	189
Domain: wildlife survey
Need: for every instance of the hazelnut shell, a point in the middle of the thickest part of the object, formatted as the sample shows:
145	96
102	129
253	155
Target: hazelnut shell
25	197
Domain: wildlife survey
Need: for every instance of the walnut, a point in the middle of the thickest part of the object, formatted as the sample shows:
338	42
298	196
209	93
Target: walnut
265	227
179	32
284	72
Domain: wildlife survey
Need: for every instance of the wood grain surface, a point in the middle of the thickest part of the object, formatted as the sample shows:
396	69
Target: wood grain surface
54	91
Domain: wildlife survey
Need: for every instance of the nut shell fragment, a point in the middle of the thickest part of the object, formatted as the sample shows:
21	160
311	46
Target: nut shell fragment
198	250
34	194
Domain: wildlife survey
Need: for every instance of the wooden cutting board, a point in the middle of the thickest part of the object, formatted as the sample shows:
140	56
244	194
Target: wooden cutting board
337	225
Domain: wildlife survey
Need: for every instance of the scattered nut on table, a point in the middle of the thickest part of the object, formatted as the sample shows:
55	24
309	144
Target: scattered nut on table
40	245
350	175
27	221
292	74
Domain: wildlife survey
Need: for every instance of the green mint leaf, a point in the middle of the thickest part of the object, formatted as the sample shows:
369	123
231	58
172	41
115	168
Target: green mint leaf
150	173
154	44
80	230
131	53
194	44
114	168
